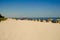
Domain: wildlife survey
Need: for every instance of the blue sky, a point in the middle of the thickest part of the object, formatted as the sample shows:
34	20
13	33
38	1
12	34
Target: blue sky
30	8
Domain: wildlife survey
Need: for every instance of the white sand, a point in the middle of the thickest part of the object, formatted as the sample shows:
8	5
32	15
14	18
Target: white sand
29	30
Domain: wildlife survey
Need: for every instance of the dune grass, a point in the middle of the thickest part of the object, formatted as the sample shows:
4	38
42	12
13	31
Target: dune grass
3	19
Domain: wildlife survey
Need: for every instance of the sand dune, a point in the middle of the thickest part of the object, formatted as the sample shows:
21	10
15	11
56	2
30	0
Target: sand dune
29	30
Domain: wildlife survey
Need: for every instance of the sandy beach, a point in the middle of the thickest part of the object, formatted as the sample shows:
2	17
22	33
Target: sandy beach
12	29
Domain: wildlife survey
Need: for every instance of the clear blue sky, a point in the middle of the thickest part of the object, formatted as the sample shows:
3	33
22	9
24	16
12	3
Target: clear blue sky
30	8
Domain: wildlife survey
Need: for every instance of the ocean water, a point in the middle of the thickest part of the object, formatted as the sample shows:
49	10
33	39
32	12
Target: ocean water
39	18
